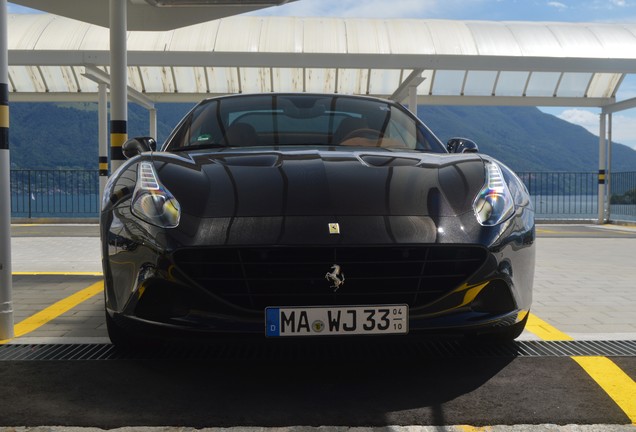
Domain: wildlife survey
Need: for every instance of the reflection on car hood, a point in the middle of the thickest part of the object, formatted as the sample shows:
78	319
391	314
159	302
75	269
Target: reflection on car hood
271	182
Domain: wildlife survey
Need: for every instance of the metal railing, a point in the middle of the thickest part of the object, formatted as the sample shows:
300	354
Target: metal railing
623	198
563	195
574	195
555	195
54	193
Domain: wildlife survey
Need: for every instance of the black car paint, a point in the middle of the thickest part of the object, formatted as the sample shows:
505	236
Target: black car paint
285	197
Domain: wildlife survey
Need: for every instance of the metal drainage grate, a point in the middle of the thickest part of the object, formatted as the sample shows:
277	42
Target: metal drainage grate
269	351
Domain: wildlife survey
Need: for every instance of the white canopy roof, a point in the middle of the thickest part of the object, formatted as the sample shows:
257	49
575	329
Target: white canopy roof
462	62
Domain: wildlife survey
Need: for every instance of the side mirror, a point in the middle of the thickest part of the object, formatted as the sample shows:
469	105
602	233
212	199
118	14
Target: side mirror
461	145
138	145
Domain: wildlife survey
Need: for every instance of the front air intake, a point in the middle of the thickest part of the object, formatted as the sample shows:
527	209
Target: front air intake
257	277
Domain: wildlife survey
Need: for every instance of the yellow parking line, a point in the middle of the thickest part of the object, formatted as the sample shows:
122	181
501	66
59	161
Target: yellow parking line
55	310
26	225
57	273
544	330
616	383
584	233
547	231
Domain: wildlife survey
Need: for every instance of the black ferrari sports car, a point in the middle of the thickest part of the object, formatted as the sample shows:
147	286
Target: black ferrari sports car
311	215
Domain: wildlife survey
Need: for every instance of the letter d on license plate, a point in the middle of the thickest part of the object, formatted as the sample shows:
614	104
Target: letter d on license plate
336	320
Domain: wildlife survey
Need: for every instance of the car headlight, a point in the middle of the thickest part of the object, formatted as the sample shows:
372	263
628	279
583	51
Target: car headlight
151	201
494	203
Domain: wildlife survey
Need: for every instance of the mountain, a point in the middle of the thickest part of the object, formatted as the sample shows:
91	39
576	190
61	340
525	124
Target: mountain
525	138
52	136
58	136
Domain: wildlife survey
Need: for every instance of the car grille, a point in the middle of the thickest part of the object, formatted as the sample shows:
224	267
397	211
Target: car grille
257	277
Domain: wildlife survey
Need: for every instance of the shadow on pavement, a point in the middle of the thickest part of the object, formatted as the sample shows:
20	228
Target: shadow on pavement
371	388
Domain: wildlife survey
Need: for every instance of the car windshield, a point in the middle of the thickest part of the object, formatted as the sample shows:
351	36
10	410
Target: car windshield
301	120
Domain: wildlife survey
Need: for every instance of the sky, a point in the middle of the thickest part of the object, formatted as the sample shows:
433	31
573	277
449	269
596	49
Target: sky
616	11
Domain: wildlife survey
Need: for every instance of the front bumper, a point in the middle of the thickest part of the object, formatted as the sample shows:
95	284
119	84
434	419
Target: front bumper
459	280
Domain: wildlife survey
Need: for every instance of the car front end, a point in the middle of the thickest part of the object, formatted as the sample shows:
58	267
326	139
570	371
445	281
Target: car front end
218	244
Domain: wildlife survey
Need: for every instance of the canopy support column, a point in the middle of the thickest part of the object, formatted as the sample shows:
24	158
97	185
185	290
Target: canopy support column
119	82
6	288
602	162
413	80
413	99
153	122
102	114
608	177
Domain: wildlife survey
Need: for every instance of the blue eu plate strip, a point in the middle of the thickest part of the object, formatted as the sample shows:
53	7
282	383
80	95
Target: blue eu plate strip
273	321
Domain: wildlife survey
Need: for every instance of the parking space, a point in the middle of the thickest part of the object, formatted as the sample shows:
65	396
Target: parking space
48	295
584	291
585	231
585	280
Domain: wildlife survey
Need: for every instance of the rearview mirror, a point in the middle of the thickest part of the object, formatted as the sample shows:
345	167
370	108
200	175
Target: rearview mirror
138	145
461	145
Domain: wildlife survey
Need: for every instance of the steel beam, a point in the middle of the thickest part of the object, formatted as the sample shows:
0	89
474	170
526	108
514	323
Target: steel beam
326	60
99	76
620	106
514	101
413	80
421	99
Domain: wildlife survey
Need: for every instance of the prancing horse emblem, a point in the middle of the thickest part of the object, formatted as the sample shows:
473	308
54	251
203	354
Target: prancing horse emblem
336	277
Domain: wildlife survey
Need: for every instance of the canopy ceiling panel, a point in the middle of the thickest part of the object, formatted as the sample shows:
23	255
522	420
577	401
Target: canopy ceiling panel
494	39
333	38
465	62
410	36
281	35
480	83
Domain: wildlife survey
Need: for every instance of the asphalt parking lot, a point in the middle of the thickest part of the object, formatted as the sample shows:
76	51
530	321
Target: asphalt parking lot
574	365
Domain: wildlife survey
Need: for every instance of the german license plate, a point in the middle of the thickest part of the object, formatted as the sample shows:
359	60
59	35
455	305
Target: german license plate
336	320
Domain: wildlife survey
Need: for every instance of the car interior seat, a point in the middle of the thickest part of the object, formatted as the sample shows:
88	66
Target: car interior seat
241	135
347	126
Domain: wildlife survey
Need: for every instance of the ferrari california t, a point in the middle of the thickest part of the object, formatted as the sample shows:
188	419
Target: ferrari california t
311	215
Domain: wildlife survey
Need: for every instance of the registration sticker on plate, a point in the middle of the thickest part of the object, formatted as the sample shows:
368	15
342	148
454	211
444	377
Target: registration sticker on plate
336	320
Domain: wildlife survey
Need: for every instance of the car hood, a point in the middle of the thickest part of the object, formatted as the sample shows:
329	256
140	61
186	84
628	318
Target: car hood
298	182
